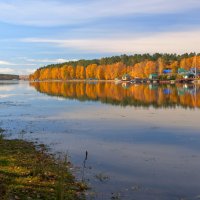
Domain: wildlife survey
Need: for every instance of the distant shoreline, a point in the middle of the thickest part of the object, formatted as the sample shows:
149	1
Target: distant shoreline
8	77
119	81
79	80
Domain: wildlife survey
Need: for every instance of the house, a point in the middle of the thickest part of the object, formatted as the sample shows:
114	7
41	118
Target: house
188	75
153	76
126	77
167	71
195	71
182	71
117	80
137	80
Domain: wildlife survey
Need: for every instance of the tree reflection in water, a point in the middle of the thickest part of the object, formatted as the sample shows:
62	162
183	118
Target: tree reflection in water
125	94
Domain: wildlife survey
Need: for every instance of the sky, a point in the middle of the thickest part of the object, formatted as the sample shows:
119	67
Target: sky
35	33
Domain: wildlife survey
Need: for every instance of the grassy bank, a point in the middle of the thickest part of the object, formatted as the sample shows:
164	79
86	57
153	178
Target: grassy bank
28	172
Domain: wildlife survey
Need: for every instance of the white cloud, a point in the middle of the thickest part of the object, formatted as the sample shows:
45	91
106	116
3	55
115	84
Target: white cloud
171	42
6	71
8	63
17	71
2	62
59	60
25	71
15	68
20	67
57	12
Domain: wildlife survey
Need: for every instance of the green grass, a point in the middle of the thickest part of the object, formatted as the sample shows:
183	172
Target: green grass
28	172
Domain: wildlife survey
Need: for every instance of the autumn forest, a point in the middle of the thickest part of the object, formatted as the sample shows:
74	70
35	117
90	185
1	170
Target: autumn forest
110	68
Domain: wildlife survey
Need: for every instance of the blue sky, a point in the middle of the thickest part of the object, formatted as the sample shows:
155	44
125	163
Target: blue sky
35	33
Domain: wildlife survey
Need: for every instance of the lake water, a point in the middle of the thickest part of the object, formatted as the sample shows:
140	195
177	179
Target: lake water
143	141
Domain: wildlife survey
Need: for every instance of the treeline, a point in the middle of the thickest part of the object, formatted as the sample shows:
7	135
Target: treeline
135	95
109	68
8	77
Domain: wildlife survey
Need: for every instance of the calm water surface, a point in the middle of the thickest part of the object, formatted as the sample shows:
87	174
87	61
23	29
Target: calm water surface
143	141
